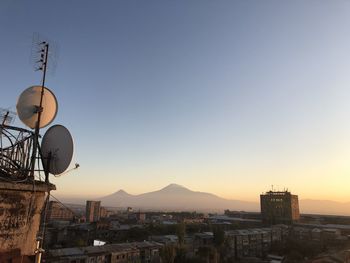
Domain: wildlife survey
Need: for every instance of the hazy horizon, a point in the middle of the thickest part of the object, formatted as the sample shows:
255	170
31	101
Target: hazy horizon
221	97
97	197
174	197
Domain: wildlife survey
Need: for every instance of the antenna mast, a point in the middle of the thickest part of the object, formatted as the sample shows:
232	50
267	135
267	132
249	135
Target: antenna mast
44	51
23	157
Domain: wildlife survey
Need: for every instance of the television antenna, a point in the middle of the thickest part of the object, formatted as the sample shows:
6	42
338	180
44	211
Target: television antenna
7	117
37	109
37	57
37	106
22	156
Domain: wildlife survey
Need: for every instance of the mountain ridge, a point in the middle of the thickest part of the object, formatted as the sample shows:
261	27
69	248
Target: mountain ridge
176	197
170	187
179	198
205	202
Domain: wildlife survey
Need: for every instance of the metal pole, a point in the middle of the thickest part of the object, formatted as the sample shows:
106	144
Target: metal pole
38	252
4	120
47	168
39	110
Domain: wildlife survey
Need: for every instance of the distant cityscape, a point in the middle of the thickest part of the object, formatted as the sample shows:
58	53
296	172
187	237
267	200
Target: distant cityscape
279	233
95	232
175	197
224	97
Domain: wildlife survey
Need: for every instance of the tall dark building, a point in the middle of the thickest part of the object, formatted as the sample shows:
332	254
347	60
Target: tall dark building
93	211
279	207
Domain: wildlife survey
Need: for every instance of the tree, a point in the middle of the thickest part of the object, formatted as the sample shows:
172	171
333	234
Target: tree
219	239
219	236
204	253
80	242
180	255
167	254
180	232
208	254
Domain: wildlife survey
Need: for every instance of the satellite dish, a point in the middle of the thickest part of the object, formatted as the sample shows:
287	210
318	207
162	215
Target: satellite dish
57	149
28	106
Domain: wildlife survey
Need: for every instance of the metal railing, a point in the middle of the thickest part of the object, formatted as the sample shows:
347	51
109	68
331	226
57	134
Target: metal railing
16	148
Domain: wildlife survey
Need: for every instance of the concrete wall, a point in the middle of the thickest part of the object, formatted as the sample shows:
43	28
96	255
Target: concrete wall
20	210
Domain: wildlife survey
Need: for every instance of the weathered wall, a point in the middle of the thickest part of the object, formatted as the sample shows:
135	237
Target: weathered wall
20	210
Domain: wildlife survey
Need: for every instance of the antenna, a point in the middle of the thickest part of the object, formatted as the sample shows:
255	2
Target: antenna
44	51
37	105
22	157
6	116
38	52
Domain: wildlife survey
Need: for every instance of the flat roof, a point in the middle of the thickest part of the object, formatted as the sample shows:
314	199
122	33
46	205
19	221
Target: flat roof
119	247
336	226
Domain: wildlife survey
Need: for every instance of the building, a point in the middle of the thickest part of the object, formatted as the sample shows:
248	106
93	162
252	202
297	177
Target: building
255	242
165	239
104	212
149	251
20	215
93	211
23	191
279	207
135	252
200	240
116	253
140	217
56	211
320	233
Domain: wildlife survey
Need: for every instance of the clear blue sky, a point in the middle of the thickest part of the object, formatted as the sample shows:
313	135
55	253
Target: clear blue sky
227	97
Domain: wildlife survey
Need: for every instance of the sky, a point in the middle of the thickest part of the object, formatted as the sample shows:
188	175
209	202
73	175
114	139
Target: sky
227	97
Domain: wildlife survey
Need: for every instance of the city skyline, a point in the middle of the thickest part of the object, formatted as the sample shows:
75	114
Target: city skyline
227	98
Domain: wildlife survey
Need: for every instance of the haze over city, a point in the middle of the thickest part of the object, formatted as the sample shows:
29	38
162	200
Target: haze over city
227	98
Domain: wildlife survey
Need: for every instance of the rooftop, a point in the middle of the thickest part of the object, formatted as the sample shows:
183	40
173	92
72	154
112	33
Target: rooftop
120	247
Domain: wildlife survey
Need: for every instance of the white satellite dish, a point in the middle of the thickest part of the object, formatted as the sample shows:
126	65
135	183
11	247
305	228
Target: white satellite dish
57	149
28	106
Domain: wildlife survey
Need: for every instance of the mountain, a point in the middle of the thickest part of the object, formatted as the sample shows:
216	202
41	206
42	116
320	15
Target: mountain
177	198
324	207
